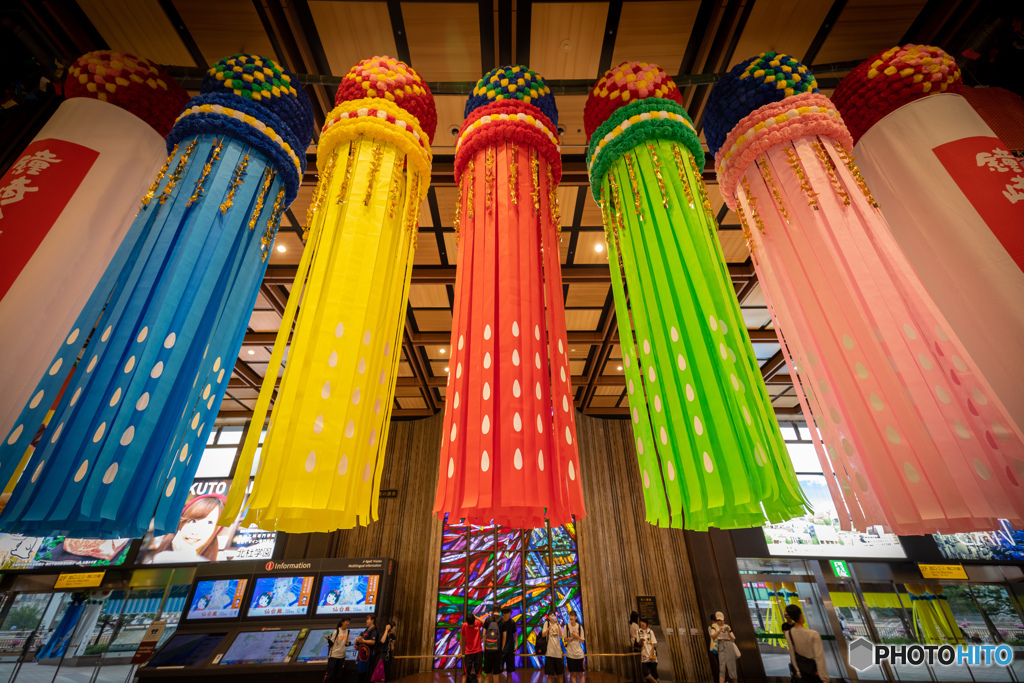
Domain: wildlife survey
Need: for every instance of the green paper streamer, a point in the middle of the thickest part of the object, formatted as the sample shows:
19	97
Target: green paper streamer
708	444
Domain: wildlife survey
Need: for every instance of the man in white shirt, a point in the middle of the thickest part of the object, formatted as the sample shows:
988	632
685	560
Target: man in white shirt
648	652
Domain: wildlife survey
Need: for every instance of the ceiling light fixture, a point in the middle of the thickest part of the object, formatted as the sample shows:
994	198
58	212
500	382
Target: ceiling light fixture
251	352
620	367
281	248
442	350
598	247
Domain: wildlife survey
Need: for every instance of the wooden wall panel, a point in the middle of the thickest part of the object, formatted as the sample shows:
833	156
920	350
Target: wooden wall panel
405	531
622	556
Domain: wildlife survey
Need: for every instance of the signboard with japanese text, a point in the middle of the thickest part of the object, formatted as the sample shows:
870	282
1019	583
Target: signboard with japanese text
84	580
993	180
647	606
33	193
942	571
149	642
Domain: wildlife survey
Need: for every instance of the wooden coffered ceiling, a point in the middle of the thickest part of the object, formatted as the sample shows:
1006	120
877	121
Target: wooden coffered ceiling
451	44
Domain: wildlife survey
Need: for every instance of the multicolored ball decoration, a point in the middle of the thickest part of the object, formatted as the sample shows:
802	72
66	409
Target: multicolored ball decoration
912	436
394	81
135	84
321	461
509	450
160	333
625	84
708	447
890	79
513	83
768	77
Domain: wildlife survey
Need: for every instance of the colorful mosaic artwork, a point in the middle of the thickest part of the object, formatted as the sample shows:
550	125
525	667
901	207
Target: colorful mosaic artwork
529	571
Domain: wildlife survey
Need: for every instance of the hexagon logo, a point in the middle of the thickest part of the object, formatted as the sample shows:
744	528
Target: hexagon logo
862	654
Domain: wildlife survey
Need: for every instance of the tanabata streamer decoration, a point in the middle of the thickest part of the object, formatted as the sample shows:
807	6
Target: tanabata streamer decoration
953	195
321	462
65	205
508	451
706	436
913	437
159	335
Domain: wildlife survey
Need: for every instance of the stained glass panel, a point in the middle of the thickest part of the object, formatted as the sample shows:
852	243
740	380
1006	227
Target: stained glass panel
480	571
566	567
538	569
508	568
453	570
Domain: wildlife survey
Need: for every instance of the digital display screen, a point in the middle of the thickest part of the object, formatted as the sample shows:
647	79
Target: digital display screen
260	647
219	599
281	596
1003	544
316	649
348	595
190	649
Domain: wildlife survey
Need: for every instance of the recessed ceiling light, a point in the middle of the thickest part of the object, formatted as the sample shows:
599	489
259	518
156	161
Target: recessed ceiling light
599	247
572	350
446	369
251	352
281	248
442	350
620	367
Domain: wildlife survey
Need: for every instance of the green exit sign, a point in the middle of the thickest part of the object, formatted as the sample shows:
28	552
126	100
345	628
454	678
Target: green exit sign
840	568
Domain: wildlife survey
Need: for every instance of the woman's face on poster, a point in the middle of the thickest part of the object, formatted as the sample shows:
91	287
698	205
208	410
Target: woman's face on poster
196	533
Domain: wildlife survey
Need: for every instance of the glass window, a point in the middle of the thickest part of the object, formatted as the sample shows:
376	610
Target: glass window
528	571
216	462
230	435
804	457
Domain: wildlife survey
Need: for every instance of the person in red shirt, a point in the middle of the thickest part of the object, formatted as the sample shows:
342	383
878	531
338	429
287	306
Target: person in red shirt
472	648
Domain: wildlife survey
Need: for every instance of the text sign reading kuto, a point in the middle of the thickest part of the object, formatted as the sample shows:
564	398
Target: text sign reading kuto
942	571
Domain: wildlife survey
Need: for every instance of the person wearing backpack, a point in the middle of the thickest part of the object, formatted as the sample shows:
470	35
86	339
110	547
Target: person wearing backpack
337	642
805	651
508	640
551	636
492	643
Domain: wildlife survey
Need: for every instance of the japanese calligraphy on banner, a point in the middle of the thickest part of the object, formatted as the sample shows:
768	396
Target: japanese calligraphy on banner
993	180
33	193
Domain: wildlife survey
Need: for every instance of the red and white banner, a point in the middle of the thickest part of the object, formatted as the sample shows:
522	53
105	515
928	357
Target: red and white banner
66	203
953	198
33	193
993	180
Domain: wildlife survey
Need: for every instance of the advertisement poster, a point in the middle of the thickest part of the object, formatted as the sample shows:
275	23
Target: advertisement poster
28	552
1002	544
288	595
260	647
348	595
220	599
817	534
199	539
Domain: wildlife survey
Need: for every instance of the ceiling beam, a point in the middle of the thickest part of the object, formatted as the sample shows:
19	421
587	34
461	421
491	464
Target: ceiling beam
445	275
398	29
444	338
524	26
824	30
611	30
190	43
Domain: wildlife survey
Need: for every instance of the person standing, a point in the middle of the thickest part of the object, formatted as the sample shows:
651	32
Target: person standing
551	634
337	642
634	644
472	648
713	650
806	654
722	634
492	643
574	639
787	624
385	648
366	642
508	640
648	652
